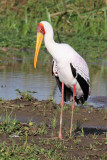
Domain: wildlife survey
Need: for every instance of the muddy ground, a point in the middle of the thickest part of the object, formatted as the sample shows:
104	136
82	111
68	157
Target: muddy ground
39	122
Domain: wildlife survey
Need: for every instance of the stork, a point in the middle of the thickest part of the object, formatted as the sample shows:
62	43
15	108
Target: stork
70	69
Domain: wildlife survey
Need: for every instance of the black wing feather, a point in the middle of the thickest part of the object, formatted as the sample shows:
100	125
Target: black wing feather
82	82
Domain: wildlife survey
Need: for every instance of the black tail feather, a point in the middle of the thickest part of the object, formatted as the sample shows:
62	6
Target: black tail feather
68	93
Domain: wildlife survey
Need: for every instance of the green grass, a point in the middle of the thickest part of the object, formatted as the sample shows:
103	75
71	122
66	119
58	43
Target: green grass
14	127
15	151
30	151
9	125
54	121
77	141
31	141
105	138
25	95
82	24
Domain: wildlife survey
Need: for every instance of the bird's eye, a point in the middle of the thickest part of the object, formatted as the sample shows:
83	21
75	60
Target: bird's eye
41	29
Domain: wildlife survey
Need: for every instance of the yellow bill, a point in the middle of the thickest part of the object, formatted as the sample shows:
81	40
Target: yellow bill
38	45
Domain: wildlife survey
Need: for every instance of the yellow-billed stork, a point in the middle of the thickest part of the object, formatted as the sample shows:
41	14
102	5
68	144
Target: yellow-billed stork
70	69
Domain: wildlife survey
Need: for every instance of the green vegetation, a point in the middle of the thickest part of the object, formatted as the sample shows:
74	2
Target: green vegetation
77	141
82	24
25	95
106	138
8	125
39	140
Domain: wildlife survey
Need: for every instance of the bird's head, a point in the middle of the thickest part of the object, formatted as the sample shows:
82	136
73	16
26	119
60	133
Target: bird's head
42	28
40	35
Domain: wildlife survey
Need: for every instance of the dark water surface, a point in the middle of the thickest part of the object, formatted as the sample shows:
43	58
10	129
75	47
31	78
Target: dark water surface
21	75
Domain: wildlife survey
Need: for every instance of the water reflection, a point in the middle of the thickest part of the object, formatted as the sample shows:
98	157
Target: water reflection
21	75
98	76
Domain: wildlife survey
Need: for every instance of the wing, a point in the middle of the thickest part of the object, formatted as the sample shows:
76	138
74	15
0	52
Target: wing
81	68
82	82
68	93
69	55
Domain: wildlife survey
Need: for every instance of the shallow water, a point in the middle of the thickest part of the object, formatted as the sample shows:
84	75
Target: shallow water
20	74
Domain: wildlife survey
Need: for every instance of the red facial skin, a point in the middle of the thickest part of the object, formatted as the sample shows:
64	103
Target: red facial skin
40	28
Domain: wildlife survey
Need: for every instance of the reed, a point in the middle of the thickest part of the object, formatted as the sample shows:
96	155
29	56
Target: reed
19	19
69	16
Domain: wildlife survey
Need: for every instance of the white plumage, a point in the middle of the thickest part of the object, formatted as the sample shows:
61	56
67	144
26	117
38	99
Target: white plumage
64	55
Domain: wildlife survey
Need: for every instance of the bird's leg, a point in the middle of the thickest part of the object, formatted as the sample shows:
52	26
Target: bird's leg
73	106
62	102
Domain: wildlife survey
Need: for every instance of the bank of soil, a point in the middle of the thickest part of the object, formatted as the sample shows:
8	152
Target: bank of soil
40	121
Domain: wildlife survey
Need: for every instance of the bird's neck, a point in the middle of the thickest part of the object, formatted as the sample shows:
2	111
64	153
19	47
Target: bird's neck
51	45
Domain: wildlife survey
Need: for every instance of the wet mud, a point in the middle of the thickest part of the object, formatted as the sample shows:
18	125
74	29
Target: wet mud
40	120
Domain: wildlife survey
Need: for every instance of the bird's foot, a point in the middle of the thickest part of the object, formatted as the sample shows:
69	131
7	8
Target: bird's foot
60	136
71	131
